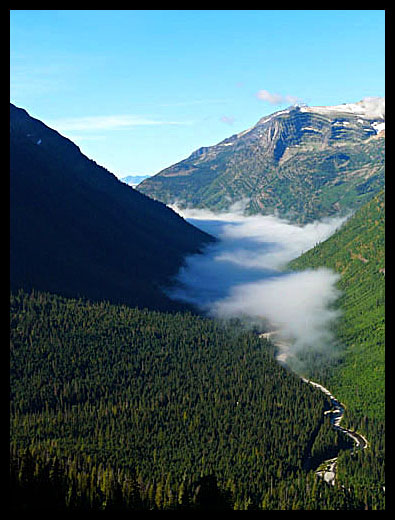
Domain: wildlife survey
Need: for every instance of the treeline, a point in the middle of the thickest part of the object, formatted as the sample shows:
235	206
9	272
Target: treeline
156	402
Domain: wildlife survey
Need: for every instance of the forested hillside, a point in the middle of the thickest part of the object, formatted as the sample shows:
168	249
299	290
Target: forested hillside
357	252
114	407
118	407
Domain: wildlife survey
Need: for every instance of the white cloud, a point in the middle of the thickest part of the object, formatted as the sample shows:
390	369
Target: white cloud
81	137
259	240
104	122
276	99
297	304
32	80
228	120
242	276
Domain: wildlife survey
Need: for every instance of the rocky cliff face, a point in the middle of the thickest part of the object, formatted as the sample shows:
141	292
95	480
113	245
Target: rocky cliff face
291	162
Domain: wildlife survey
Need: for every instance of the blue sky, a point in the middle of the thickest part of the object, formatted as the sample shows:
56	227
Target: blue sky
139	90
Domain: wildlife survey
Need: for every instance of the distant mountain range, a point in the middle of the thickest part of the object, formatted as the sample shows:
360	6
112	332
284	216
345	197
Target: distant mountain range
76	230
133	180
302	163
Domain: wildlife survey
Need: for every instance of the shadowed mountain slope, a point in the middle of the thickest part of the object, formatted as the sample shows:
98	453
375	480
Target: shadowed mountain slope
77	230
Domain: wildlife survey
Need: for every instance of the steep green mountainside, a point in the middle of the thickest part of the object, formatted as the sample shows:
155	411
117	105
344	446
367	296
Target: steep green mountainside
357	252
301	163
113	407
77	230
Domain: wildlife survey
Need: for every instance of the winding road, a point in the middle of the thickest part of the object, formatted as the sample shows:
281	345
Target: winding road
328	471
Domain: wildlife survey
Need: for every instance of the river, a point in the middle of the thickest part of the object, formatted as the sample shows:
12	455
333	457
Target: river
336	413
242	274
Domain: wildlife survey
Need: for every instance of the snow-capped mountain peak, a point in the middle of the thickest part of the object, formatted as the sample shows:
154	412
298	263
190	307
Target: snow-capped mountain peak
369	108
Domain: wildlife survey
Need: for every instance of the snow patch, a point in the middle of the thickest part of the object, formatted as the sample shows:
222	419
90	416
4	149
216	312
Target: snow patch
378	126
369	107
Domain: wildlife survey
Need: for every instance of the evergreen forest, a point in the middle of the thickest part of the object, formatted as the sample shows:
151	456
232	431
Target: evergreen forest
124	400
118	408
357	376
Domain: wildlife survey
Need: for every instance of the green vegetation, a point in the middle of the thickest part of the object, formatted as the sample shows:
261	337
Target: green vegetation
301	166
117	407
357	252
128	406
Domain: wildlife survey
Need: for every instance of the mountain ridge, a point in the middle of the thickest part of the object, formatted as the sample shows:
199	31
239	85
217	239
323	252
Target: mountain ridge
290	163
78	230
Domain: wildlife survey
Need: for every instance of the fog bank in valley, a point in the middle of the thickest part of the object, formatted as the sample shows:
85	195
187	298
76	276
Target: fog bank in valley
243	275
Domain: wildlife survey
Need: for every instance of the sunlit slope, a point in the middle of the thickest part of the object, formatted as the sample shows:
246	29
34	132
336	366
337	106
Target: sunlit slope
302	164
357	252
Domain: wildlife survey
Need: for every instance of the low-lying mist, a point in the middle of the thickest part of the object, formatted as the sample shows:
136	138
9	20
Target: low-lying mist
243	275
